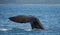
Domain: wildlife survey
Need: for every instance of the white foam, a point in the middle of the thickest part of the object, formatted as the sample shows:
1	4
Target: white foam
5	29
28	29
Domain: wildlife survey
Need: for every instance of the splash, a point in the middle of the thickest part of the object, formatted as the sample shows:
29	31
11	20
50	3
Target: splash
5	29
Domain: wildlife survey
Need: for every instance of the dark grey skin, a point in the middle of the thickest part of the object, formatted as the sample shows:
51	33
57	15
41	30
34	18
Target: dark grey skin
35	23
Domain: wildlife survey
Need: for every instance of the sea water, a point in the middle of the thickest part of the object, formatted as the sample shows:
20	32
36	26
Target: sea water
49	16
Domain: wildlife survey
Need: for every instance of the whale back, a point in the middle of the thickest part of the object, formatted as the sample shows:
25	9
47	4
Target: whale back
21	19
35	23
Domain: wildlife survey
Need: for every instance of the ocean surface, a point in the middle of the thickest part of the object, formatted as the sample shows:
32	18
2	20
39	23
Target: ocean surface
49	16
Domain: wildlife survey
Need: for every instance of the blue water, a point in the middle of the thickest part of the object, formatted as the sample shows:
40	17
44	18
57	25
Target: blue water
49	16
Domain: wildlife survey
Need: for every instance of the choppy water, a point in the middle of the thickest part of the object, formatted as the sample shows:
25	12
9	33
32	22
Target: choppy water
49	16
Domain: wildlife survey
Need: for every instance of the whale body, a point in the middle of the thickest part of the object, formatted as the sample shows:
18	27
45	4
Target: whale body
34	21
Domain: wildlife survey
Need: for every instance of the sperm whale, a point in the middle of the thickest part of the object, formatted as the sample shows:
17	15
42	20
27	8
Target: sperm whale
34	21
